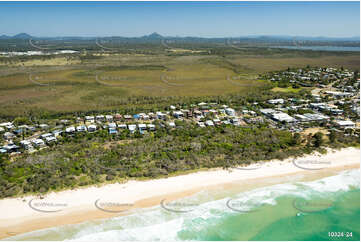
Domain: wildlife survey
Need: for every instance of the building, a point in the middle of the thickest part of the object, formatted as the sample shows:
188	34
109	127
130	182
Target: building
92	128
70	129
81	128
276	101
345	124
151	127
132	128
209	123
230	111
113	131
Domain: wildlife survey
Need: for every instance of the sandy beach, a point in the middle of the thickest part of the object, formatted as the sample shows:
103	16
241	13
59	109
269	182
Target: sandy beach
20	215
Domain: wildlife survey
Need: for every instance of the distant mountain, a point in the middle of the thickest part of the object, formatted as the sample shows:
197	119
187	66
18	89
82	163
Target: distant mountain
22	36
5	37
154	35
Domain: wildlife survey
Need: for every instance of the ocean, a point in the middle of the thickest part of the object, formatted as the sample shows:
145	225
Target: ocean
324	209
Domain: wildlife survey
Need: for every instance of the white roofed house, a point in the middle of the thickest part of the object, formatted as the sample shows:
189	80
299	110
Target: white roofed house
112	125
276	101
8	135
217	121
89	119
109	118
57	132
38	142
81	128
132	128
142	128
26	144
230	111
70	129
151	127
50	139
201	124
161	115
345	124
122	126
209	123
178	114
44	136
171	124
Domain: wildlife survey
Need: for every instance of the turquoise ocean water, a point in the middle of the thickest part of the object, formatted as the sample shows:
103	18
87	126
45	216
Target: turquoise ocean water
324	209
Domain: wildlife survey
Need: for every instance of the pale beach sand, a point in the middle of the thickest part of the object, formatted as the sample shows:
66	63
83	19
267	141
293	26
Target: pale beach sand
20	215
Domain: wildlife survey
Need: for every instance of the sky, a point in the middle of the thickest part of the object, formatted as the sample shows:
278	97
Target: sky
203	19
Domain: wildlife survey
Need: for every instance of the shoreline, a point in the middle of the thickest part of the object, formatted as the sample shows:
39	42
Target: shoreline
82	204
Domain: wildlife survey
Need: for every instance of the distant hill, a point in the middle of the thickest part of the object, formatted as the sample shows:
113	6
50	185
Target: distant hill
22	36
156	38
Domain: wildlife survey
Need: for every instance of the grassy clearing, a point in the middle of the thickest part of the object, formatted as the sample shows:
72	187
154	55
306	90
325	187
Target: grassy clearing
108	81
288	89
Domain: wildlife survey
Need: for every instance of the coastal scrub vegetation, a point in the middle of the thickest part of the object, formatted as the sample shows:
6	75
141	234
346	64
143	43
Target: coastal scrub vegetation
92	158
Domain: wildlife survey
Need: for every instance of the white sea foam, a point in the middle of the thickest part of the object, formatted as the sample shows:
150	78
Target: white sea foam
158	224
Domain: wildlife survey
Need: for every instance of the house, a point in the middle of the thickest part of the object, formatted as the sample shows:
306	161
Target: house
26	144
43	136
216	121
301	118
336	111
151	127
8	135
235	121
178	114
282	117
230	112
171	124
56	133
127	117
6	124
345	124
117	117
142	128
112	125
132	128
70	129
209	123
161	116
38	142
172	107
197	114
92	128
113	131
44	126
201	124
316	117
64	121
100	118
109	118
50	139
11	148
122	126
89	119
2	129
276	101
267	111
81	128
